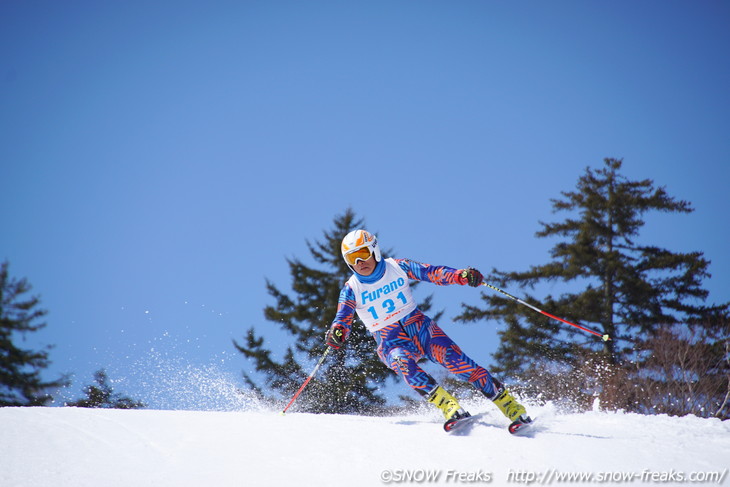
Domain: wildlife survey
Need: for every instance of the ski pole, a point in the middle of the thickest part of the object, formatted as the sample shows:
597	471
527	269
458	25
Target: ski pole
604	337
316	368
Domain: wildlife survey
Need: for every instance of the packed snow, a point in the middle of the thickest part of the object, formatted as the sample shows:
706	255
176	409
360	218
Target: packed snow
61	446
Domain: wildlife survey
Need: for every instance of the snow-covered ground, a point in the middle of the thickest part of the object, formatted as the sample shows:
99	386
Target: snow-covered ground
95	447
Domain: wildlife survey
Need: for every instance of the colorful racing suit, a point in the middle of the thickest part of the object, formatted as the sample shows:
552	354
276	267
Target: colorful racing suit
402	332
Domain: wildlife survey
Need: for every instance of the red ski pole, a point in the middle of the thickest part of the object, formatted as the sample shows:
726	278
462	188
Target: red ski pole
316	368
604	337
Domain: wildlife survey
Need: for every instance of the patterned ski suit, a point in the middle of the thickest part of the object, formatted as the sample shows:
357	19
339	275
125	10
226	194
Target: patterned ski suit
403	334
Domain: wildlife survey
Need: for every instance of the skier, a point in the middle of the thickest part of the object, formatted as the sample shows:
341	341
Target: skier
379	291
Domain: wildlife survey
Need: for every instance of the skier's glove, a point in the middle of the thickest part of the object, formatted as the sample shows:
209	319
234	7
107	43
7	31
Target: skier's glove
335	336
471	277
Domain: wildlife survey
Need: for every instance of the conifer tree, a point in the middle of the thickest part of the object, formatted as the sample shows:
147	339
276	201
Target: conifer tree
102	395
21	383
613	283
349	381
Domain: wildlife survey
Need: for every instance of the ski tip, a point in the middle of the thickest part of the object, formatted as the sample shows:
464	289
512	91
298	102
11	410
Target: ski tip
456	423
521	427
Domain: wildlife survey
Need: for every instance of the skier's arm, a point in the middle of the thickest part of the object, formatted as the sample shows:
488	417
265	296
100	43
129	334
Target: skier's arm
343	317
439	275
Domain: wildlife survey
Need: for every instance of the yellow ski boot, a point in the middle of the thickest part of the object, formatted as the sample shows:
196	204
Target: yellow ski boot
509	405
514	411
449	406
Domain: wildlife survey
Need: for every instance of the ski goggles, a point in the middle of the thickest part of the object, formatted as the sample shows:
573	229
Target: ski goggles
363	254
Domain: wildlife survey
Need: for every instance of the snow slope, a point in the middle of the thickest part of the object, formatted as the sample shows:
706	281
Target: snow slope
87	447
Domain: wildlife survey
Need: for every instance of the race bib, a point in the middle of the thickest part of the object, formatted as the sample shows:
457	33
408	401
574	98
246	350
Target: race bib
386	301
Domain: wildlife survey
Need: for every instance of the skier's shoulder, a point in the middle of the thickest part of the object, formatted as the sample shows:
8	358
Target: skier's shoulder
348	288
411	265
404	264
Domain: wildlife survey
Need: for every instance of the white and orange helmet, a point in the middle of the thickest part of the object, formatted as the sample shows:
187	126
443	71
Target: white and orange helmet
359	245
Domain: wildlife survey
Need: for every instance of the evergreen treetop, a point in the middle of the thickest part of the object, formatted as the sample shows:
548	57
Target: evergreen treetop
21	383
102	395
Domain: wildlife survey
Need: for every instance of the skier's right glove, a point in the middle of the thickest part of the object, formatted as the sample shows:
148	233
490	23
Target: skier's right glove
471	277
335	336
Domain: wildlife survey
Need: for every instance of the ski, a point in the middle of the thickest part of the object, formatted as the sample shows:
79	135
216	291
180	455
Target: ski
464	423
521	427
458	423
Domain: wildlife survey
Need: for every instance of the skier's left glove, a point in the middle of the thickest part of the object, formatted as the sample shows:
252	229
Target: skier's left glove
471	277
335	336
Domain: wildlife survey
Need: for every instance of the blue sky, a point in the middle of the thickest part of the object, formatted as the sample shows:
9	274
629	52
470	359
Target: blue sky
160	160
